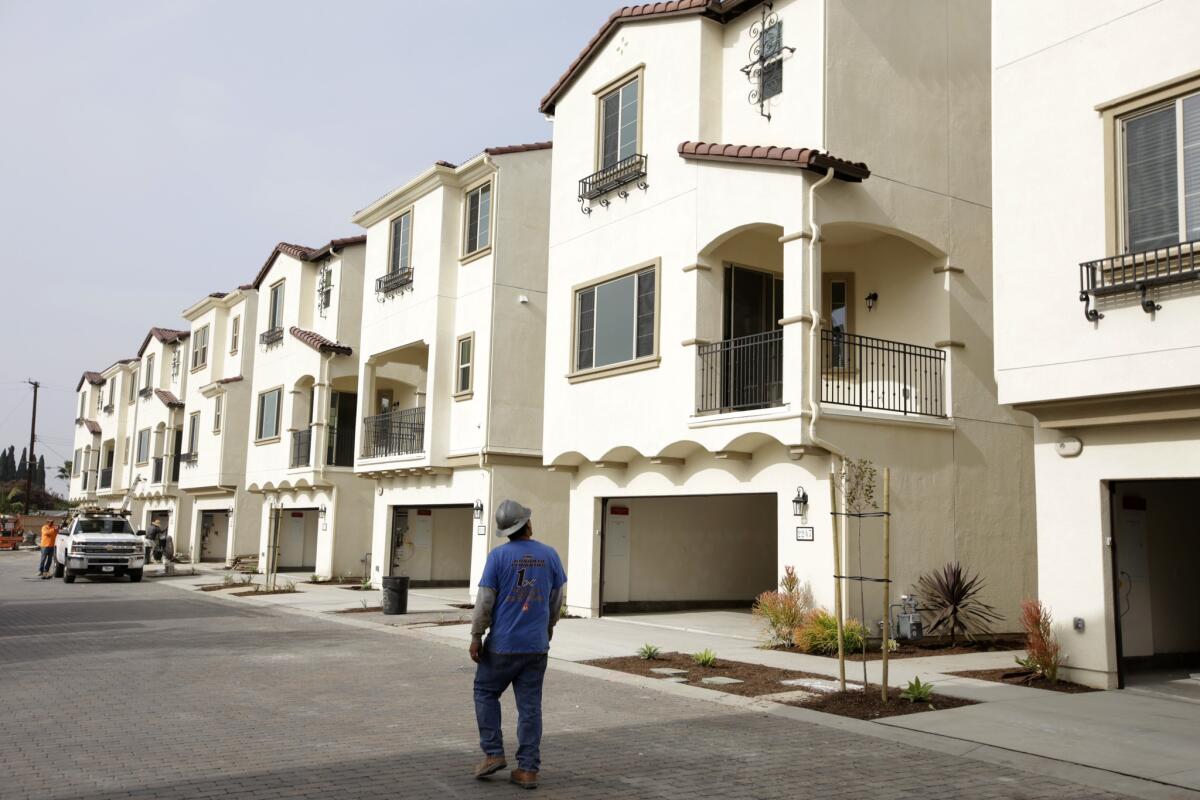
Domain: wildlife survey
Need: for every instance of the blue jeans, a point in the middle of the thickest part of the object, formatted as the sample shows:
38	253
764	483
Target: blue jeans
47	559
496	671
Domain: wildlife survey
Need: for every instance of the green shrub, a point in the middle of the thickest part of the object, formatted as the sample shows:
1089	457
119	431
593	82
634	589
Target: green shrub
647	652
783	611
918	692
818	633
705	658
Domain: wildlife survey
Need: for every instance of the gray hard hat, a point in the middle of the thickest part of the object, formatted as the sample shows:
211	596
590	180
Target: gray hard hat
511	516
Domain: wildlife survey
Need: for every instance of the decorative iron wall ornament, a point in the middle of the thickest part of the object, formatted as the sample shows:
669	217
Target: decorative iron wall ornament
767	51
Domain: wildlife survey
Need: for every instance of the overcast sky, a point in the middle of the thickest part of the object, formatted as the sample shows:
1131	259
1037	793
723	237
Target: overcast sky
153	152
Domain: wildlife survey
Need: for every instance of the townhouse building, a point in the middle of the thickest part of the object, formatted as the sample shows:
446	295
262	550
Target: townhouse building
217	406
316	515
112	462
1096	309
451	364
89	397
769	252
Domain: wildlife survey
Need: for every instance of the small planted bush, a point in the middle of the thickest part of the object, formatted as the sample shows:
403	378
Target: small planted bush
365	585
781	612
705	658
952	595
917	692
1043	653
818	634
647	652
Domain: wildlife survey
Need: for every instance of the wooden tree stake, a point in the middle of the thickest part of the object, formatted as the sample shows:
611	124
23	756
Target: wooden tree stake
837	582
887	574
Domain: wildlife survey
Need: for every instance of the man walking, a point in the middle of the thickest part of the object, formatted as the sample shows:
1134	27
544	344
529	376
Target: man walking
519	600
49	534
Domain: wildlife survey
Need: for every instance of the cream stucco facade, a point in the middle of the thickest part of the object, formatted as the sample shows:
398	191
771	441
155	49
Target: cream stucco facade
1117	448
742	400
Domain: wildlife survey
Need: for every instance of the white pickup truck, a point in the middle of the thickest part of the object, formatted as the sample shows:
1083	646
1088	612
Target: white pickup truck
99	543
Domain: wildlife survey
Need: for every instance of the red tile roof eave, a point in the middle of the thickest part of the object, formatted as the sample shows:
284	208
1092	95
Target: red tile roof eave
164	335
301	253
319	343
92	426
518	148
168	399
772	156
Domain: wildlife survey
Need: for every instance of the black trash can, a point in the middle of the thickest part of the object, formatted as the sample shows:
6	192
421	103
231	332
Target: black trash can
395	595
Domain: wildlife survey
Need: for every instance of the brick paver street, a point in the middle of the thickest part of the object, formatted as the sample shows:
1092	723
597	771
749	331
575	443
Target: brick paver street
116	690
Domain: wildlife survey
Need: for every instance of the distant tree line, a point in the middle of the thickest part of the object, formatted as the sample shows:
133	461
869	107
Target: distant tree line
13	470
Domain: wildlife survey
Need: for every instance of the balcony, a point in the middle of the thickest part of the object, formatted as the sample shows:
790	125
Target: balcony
396	433
106	478
393	281
301	448
188	458
879	375
145	391
740	374
610	179
270	336
108	409
156	469
1136	274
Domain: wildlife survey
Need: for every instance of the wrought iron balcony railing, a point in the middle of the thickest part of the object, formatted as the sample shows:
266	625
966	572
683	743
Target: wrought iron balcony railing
301	448
188	458
270	336
396	433
1136	274
881	375
392	281
108	409
340	449
612	178
145	391
740	374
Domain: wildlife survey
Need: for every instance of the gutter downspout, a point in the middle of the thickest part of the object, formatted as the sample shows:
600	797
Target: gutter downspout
814	332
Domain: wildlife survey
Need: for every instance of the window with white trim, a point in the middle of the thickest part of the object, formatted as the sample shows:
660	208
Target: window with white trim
77	463
193	432
268	414
1161	175
324	287
134	377
235	332
619	123
143	446
276	309
479	212
614	321
149	377
83	404
218	407
401	255
466	356
200	348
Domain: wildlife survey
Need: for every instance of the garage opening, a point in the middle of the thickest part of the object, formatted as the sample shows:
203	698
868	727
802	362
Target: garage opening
298	540
690	552
1155	550
214	535
431	545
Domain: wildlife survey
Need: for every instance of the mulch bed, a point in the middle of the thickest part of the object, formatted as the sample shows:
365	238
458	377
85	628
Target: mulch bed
367	610
869	705
756	678
908	650
1016	677
263	592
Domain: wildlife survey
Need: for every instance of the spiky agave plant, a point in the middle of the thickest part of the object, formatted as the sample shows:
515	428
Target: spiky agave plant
952	596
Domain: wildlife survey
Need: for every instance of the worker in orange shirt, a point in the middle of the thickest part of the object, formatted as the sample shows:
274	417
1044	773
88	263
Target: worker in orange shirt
49	534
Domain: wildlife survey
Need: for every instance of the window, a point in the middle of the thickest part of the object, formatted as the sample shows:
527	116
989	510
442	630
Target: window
276	313
200	348
463	376
134	377
1161	175
83	404
401	257
268	414
149	372
479	212
125	451
112	389
174	363
143	446
235	330
193	432
218	407
619	123
99	400
614	321
325	287
77	463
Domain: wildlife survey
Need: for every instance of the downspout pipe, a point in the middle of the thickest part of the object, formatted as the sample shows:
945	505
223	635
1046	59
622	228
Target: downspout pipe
814	311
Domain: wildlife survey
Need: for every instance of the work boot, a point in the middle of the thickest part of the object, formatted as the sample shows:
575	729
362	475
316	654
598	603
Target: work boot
525	778
489	765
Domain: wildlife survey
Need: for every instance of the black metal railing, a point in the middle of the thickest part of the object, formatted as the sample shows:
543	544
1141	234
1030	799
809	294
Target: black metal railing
339	451
609	179
106	478
1136	273
396	433
145	391
740	374
882	375
108	409
188	458
270	336
157	469
302	448
391	281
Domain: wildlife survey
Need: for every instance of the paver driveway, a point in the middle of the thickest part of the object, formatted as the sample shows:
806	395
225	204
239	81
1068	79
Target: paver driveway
115	690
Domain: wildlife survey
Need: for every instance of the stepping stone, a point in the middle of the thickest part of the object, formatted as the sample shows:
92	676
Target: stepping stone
668	671
719	680
787	697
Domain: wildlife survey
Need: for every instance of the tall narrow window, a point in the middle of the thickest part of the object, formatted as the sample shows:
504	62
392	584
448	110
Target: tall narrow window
200	348
466	357
143	446
1161	175
112	390
479	212
619	124
218	407
235	332
83	404
325	287
276	313
615	321
134	377
268	414
401	259
193	432
78	463
149	377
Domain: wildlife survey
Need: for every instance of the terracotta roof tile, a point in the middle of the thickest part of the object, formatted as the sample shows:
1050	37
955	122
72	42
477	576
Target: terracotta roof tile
318	342
168	399
164	335
234	379
772	156
518	148
94	378
92	426
302	253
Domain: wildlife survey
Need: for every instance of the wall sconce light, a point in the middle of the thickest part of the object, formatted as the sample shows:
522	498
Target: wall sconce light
871	298
800	502
477	509
321	511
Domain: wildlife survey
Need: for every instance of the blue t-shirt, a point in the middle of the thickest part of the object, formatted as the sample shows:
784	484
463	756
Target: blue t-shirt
523	573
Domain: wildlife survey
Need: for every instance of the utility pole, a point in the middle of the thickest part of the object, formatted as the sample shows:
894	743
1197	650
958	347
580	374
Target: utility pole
29	469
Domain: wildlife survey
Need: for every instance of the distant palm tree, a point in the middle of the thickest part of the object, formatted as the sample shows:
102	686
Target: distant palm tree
64	472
